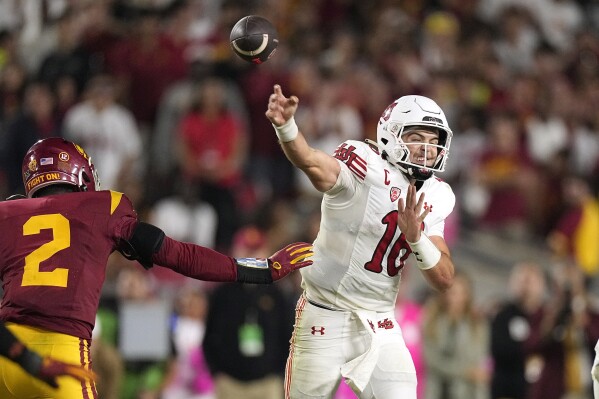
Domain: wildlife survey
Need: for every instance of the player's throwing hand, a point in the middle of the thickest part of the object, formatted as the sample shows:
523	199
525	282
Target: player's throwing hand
280	108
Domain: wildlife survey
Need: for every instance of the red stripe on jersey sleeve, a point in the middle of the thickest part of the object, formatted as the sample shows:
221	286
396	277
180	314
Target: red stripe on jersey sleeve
356	164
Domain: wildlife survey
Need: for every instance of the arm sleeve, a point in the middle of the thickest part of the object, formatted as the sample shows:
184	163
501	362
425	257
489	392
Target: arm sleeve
195	261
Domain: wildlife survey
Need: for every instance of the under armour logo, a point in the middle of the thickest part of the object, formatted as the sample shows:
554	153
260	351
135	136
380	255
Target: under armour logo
428	207
318	329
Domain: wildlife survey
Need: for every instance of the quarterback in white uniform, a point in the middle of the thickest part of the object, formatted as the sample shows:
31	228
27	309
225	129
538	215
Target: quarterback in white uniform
381	203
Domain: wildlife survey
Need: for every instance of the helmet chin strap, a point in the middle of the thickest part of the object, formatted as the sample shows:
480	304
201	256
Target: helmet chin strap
374	143
403	169
413	172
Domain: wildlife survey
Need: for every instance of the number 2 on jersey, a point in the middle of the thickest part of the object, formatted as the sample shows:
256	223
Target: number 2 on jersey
61	239
399	247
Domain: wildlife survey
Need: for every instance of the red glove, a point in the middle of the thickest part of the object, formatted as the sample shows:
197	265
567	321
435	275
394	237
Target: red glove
51	368
277	266
290	258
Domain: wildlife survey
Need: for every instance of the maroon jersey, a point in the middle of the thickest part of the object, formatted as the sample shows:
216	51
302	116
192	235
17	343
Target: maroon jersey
53	256
54	250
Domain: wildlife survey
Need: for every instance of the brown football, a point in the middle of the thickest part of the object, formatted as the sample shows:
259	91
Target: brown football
254	39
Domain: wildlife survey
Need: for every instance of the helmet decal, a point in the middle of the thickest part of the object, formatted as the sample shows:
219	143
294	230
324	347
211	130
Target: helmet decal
394	128
387	112
80	151
32	165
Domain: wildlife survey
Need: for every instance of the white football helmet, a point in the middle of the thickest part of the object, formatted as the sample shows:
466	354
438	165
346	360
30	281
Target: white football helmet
403	113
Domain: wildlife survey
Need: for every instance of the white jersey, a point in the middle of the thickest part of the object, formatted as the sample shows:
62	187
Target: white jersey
359	252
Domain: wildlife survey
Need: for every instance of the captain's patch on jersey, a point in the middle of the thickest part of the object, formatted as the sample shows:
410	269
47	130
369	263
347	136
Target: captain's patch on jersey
345	153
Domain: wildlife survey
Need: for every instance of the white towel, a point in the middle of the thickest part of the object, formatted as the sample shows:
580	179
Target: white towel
357	371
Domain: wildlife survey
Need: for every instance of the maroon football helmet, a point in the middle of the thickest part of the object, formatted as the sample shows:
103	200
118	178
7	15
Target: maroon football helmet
57	161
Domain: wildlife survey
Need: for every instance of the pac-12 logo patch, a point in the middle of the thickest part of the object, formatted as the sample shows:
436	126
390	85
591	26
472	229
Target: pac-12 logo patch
394	193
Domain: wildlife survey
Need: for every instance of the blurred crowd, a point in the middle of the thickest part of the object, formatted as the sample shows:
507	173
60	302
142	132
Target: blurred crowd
170	116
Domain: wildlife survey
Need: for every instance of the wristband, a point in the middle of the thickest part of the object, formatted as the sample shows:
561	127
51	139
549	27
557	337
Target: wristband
427	254
287	131
253	271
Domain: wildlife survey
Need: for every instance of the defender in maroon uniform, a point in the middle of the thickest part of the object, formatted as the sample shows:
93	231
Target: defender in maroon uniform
53	255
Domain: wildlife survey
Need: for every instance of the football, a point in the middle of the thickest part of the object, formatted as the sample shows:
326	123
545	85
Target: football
254	39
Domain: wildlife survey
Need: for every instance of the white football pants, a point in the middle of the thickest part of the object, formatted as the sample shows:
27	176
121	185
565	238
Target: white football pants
325	342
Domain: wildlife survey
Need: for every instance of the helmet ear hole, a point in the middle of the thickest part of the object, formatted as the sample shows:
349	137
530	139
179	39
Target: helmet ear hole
384	141
85	180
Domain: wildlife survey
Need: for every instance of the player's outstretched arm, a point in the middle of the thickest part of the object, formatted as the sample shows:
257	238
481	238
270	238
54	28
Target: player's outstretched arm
43	368
321	168
149	245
